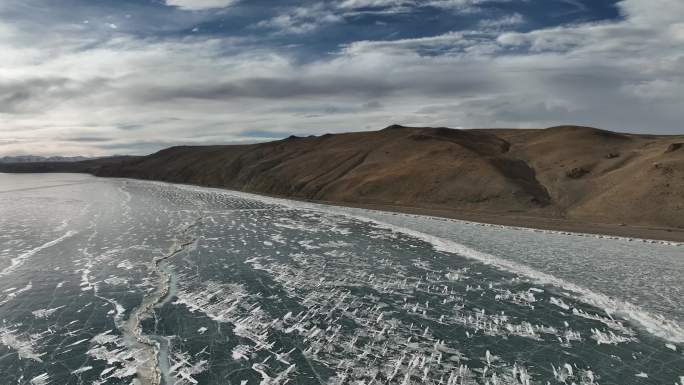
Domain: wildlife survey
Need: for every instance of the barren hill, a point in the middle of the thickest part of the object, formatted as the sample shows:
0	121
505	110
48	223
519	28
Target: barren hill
573	173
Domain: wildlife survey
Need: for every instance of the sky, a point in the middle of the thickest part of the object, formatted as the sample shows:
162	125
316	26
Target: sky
102	77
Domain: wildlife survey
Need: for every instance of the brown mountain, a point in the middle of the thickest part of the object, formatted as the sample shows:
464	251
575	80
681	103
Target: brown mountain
568	173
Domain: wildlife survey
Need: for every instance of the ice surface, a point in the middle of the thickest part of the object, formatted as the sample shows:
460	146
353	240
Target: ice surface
160	283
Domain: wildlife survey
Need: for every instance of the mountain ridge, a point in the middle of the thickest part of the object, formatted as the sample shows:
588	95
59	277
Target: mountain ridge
570	173
38	159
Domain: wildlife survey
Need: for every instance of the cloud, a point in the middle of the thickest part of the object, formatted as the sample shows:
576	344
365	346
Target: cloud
576	4
142	93
462	6
199	5
30	95
88	139
355	4
465	5
438	43
300	20
511	20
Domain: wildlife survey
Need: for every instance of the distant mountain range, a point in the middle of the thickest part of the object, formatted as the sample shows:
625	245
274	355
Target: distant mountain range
36	159
566	173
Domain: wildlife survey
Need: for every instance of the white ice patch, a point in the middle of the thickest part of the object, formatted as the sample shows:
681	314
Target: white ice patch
19	260
82	370
45	313
28	287
11	293
182	368
116	281
77	343
559	302
241	352
112	349
125	264
41	379
608	337
22	345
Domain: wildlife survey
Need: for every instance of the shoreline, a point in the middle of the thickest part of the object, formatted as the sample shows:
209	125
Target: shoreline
655	233
532	223
648	234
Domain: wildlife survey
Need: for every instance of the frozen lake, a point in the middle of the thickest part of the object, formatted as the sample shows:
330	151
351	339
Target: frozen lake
106	281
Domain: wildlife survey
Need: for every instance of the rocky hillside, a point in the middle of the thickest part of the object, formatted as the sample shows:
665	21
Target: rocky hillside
569	172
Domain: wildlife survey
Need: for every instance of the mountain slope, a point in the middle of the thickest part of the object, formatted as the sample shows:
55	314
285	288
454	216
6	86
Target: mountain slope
608	177
568	172
430	167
